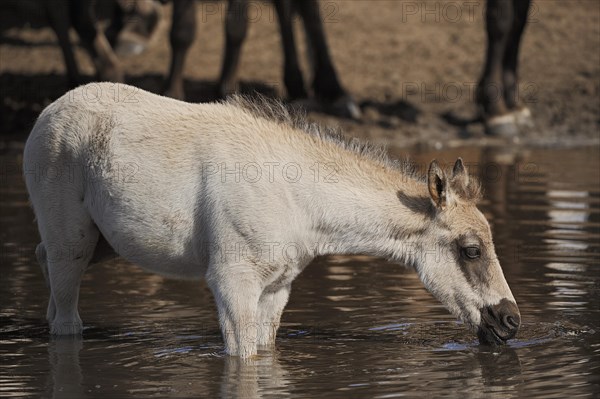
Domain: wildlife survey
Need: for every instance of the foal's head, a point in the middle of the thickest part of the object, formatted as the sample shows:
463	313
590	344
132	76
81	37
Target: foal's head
459	265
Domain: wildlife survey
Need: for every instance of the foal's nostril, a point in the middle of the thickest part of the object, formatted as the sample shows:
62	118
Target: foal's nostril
511	322
506	315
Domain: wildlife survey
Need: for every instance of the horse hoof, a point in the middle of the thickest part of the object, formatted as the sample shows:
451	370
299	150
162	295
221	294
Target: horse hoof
138	32
502	126
130	47
345	107
523	117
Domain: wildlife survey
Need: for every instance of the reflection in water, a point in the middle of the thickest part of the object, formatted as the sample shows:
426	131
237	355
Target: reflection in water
568	207
66	377
249	379
355	326
568	216
479	368
501	368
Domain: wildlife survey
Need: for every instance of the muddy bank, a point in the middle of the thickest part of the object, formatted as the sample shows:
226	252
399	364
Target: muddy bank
412	66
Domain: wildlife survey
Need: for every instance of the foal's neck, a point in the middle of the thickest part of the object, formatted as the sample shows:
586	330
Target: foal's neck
372	209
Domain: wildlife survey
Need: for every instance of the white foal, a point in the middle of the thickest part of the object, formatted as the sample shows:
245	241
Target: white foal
243	195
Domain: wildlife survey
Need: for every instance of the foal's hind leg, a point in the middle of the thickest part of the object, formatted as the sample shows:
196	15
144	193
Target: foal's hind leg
69	242
40	253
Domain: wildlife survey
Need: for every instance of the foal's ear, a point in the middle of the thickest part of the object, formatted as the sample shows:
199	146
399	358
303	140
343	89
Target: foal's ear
459	168
460	176
437	184
462	185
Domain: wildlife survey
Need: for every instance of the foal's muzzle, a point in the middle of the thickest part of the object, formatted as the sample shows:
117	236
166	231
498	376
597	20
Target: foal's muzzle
499	323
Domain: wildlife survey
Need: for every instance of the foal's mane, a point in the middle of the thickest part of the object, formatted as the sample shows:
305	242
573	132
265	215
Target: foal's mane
262	107
276	111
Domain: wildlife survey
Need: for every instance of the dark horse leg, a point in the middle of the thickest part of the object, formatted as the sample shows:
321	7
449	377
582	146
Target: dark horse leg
60	21
292	76
236	27
133	25
64	13
183	31
490	92
326	84
511	62
182	35
94	41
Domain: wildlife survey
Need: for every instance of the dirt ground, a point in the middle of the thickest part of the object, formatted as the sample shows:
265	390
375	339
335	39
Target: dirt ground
411	65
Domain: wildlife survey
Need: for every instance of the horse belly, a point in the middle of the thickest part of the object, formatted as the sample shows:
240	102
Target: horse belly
156	254
155	237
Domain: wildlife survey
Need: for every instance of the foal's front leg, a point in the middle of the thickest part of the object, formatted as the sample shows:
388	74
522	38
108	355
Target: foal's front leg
237	290
270	309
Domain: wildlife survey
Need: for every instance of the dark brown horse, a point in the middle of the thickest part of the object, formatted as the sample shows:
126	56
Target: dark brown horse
497	90
81	15
325	86
131	16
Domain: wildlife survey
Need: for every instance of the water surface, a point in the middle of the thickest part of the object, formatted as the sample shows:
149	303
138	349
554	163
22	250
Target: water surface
355	326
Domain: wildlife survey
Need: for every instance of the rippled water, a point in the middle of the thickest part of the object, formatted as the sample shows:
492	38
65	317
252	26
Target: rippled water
355	326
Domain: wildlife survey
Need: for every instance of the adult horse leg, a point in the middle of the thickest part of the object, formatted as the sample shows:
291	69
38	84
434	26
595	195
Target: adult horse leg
511	61
236	27
292	76
490	92
326	84
95	42
183	31
60	21
138	20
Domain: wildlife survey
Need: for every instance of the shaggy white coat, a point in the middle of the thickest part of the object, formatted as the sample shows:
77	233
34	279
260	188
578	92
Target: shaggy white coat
237	193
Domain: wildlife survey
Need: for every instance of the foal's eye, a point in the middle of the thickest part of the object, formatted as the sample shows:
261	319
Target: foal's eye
471	252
